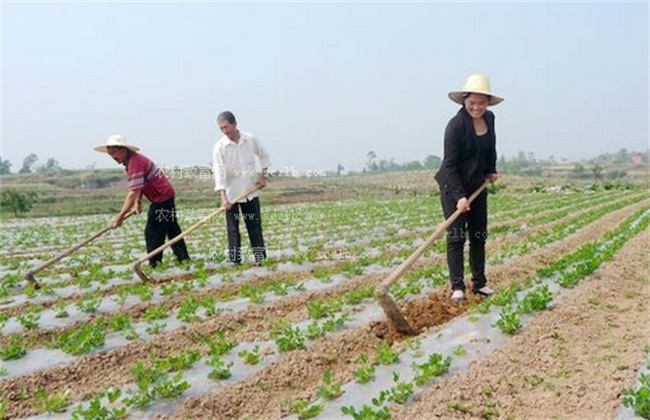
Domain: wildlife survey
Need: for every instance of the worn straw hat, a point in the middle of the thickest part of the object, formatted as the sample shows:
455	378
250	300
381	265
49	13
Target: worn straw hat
476	83
117	141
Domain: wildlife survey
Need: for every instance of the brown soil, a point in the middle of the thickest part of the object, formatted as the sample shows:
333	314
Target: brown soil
571	362
240	400
263	395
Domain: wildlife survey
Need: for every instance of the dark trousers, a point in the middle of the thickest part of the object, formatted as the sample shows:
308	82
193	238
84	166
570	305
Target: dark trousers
250	212
472	225
162	221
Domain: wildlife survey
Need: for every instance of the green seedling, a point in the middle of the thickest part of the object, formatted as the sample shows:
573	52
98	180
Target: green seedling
415	346
82	340
366	372
90	305
220	369
386	355
399	394
29	320
219	345
639	398
121	297
509	321
171	387
435	366
154	313
95	411
187	310
367	413
357	296
330	390
61	310
251	357
254	294
537	300
306	411
288	338
155	327
169	289
120	322
209	303
15	350
460	351
51	403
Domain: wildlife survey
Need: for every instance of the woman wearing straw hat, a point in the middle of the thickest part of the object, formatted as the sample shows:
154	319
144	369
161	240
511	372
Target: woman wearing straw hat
145	178
469	159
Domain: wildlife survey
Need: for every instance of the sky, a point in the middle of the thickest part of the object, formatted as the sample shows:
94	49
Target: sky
318	83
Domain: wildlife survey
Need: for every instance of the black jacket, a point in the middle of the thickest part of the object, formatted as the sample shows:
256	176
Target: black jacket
460	173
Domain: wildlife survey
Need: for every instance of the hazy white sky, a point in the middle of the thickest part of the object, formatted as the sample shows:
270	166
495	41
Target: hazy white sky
318	83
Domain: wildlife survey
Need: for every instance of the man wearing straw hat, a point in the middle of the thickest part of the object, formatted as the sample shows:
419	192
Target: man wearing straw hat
145	178
469	159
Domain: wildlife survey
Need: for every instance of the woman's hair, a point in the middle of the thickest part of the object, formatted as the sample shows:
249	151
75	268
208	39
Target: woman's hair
466	95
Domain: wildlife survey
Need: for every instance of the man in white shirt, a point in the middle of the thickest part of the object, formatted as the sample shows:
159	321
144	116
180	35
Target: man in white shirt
235	171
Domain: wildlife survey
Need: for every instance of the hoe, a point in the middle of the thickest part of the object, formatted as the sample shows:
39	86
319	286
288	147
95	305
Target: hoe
136	266
395	317
29	276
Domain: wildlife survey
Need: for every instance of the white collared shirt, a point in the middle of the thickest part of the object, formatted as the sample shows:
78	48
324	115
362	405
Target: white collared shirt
234	166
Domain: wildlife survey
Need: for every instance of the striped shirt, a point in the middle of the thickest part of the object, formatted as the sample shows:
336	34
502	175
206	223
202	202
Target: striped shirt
145	176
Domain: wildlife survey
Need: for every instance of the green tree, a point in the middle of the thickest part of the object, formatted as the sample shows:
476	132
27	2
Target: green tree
5	166
51	165
432	162
28	162
16	201
372	157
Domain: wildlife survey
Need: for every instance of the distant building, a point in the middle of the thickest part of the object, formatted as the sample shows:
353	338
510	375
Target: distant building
639	159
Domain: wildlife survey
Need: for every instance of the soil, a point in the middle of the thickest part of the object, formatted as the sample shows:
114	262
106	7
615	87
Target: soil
551	356
571	362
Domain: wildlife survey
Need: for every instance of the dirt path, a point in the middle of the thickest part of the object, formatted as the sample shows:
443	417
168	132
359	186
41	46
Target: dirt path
570	362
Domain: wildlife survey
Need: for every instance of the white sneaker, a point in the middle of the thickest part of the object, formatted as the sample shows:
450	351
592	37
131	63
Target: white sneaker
458	295
485	291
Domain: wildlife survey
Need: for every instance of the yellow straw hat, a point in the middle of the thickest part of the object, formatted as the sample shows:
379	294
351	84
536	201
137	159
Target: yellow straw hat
476	83
117	141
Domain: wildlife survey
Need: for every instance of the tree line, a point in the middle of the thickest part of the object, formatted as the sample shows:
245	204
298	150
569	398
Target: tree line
30	165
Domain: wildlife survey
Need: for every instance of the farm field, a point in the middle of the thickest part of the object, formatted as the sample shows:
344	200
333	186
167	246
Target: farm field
302	336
